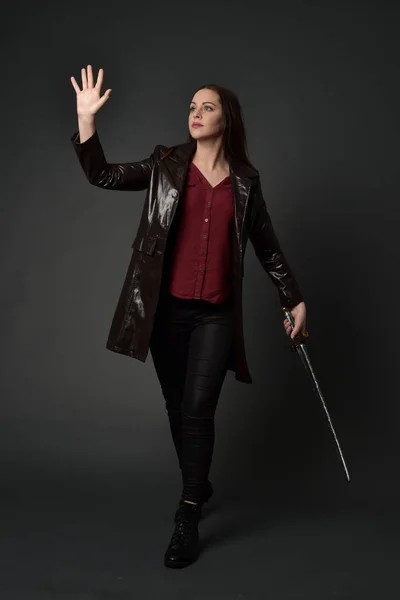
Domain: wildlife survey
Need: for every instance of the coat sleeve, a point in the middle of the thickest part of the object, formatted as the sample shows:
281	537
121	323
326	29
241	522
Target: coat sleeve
133	176
269	252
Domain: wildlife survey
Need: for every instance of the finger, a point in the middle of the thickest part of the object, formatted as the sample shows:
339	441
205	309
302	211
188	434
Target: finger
102	100
84	80
99	81
105	97
90	76
74	83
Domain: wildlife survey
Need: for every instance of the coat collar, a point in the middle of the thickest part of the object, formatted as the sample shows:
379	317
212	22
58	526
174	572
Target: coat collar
182	153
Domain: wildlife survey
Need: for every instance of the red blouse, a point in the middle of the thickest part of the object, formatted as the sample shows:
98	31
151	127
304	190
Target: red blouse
201	261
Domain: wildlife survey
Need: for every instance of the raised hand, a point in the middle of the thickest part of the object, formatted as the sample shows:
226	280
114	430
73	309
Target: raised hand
88	99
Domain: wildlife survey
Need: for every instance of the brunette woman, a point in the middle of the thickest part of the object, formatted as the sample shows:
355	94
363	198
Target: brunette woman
182	295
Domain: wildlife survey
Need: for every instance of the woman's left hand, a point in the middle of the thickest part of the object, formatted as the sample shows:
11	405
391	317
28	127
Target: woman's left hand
299	316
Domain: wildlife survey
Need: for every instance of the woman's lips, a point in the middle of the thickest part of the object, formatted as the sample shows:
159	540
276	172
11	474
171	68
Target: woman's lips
197	125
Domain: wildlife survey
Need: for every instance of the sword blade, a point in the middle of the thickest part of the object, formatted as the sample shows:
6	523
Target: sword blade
303	353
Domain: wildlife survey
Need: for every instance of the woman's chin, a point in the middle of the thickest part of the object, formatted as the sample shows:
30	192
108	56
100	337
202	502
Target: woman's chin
203	135
196	133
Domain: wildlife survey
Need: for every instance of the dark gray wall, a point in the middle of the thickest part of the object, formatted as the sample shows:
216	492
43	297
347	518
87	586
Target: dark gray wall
318	83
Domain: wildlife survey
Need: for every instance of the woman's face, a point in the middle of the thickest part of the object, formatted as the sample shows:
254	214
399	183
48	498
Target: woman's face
206	110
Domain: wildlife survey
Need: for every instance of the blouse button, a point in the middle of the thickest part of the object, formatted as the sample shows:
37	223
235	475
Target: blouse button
206	220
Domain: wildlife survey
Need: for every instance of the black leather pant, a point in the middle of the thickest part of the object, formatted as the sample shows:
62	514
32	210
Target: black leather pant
190	346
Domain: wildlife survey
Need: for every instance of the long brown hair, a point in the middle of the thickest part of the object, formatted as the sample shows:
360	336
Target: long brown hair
234	137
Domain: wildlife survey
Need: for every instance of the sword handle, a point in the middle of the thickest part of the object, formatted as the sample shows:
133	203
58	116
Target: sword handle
300	337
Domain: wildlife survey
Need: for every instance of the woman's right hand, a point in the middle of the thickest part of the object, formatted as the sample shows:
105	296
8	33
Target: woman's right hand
88	99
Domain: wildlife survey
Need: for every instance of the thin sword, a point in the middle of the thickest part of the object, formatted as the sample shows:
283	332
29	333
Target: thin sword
302	352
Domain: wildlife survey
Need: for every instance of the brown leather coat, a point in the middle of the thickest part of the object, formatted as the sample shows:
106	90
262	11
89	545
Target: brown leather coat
163	174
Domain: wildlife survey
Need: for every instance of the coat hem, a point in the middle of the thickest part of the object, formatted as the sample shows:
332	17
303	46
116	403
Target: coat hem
131	354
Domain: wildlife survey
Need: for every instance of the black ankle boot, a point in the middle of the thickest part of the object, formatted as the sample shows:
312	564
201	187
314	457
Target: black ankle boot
183	548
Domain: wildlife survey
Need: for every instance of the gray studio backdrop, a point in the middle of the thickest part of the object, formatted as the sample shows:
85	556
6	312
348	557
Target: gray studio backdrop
319	89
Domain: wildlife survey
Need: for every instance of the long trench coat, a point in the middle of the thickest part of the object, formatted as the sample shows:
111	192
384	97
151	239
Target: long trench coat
163	175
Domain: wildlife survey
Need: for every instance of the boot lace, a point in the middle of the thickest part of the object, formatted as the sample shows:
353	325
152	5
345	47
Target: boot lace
183	533
184	528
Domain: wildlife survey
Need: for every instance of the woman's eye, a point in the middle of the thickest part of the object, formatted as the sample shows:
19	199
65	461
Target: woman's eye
192	107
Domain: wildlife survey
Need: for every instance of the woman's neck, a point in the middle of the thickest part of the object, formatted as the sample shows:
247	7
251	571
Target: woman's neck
209	155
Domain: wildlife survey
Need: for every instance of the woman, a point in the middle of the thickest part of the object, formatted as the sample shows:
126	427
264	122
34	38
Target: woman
182	293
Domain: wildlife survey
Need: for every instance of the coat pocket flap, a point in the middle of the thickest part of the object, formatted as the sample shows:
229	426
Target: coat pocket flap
146	244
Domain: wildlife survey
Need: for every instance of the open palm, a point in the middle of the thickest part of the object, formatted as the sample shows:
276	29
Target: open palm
89	99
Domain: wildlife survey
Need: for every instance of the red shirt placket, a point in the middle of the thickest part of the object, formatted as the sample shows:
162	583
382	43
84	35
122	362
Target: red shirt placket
204	240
